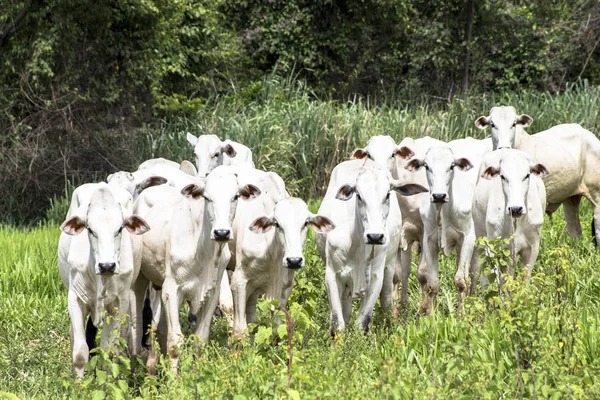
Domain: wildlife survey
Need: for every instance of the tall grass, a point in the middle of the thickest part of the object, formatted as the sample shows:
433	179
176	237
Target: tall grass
303	138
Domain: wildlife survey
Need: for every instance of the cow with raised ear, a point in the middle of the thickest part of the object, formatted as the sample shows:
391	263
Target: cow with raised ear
503	123
209	151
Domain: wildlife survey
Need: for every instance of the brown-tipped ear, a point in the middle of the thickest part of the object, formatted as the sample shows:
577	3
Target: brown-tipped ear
149	182
463	164
404	152
414	165
320	223
73	226
193	191
490	172
345	192
136	225
482	122
262	225
539	170
249	191
228	149
360	154
407	189
524	120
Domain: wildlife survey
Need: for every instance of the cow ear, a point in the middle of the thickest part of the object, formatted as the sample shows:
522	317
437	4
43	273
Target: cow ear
73	226
108	178
345	192
194	191
407	189
262	225
192	139
228	149
360	154
524	120
482	122
539	170
249	191
320	223
404	152
136	225
188	168
490	172
149	182
463	164
414	165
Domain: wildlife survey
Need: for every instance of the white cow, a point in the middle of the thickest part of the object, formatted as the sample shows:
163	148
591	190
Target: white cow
210	152
186	252
569	152
510	199
184	166
364	245
98	268
269	241
384	152
447	220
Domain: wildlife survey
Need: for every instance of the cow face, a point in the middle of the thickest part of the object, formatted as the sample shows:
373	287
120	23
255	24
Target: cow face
372	191
291	219
380	149
208	151
514	171
105	222
440	164
221	191
503	123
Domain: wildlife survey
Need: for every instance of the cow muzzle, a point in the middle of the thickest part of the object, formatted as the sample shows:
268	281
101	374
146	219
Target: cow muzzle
107	268
439	198
222	235
375	238
294	262
516	211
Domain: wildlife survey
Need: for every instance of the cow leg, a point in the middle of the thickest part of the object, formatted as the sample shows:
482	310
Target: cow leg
463	261
239	292
571	209
251	307
387	297
405	267
226	299
529	257
596	220
204	316
367	304
138	329
337	321
432	284
80	349
475	272
171	303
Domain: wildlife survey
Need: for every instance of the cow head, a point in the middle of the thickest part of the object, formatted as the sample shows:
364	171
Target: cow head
372	192
291	219
127	181
440	164
383	151
515	169
208	151
503	122
220	191
105	222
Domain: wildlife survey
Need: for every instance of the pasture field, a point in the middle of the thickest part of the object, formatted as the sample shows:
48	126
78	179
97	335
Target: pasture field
513	341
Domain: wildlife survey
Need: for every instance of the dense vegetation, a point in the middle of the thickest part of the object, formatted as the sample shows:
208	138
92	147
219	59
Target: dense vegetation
512	341
83	83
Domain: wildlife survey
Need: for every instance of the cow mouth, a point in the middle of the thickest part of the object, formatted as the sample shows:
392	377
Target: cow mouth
516	215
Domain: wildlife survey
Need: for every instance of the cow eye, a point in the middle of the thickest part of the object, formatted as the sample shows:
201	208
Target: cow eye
120	230
527	177
358	196
502	177
216	154
387	196
276	224
236	197
492	125
91	231
514	124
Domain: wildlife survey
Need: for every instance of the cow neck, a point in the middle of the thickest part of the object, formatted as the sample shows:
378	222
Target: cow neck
205	245
520	137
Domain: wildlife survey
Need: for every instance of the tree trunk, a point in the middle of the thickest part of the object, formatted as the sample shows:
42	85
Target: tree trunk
470	9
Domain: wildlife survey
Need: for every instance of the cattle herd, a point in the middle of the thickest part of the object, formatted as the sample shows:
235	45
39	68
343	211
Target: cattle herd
222	233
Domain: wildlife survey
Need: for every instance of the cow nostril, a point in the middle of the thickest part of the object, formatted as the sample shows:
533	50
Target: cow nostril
375	238
438	197
516	210
222	234
107	267
294	262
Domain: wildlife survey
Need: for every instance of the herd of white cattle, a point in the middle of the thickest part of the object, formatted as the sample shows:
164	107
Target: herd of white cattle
224	233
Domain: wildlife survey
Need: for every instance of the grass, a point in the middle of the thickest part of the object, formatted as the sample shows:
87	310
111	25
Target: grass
554	325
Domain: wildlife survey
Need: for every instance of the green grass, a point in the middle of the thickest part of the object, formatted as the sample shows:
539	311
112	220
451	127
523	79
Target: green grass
554	324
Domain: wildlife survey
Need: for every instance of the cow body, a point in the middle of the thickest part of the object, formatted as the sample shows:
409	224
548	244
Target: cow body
510	199
99	267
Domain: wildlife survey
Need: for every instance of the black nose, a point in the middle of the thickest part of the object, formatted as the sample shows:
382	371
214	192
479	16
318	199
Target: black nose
221	234
516	211
439	197
107	268
294	262
375	238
